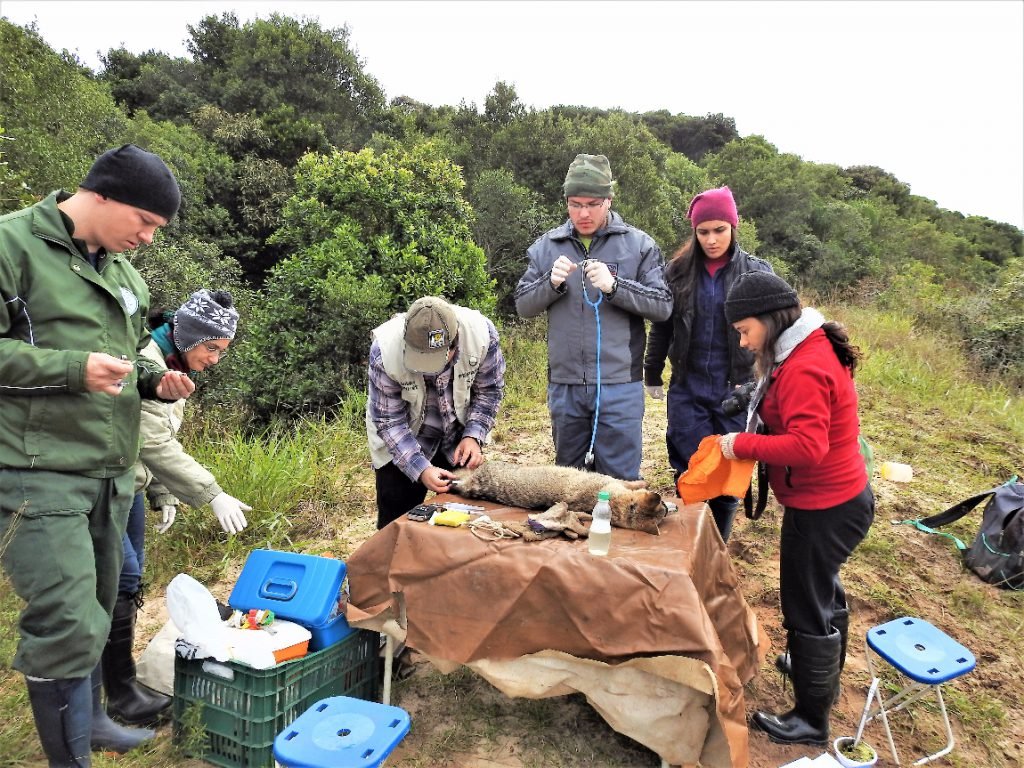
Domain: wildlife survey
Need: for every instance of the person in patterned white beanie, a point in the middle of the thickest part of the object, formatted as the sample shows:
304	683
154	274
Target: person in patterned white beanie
190	339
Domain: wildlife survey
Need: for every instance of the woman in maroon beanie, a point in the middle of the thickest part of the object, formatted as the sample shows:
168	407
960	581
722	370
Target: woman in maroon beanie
707	361
804	426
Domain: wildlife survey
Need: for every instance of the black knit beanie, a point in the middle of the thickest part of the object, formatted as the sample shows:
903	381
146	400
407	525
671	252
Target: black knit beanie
758	293
135	177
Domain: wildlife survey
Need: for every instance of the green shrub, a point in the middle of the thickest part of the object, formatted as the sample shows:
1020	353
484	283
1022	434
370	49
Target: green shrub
368	234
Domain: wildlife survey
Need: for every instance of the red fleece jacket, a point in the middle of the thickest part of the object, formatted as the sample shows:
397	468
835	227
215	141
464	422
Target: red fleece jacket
810	409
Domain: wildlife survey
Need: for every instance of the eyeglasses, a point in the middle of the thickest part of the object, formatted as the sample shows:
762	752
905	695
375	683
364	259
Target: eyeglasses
574	206
213	349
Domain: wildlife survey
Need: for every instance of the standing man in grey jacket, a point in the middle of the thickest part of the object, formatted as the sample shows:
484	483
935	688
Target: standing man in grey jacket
599	279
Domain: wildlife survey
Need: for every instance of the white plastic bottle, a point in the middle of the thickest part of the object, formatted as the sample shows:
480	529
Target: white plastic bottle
600	538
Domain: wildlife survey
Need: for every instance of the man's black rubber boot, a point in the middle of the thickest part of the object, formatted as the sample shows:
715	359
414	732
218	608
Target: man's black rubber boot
108	736
127	700
62	710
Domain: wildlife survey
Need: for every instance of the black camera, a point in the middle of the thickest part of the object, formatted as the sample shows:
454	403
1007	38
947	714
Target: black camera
739	399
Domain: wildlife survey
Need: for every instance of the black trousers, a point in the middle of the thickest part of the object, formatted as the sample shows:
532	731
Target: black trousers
397	494
815	544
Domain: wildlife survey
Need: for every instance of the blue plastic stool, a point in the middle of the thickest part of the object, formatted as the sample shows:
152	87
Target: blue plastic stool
341	732
924	654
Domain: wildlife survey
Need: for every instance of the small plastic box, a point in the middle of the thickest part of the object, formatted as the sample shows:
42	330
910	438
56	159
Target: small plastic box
243	712
297	587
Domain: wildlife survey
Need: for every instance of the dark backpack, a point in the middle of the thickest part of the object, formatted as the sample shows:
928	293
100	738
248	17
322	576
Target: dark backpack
997	554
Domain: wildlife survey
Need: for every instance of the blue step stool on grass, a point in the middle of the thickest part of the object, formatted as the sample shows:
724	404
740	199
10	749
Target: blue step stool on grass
926	657
341	732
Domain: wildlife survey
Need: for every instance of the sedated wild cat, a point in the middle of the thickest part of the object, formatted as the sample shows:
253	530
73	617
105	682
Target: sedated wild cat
541	487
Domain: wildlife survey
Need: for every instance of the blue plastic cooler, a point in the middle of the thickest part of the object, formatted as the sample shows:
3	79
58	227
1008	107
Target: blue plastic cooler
296	587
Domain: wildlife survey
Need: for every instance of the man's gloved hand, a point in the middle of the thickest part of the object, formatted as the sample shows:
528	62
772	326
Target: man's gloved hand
229	511
169	512
599	275
658	393
561	269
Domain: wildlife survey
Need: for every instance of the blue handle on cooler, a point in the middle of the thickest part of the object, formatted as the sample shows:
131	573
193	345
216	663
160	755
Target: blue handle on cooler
279	589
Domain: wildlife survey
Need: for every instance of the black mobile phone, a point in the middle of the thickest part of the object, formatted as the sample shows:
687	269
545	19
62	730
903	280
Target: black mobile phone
423	512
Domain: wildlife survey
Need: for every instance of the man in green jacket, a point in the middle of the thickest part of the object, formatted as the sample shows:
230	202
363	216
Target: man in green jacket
71	326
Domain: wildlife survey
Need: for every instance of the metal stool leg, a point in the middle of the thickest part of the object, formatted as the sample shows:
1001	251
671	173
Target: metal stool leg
949	731
867	717
389	659
902	699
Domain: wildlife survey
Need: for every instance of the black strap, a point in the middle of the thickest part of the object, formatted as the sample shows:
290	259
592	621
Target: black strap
957	511
749	509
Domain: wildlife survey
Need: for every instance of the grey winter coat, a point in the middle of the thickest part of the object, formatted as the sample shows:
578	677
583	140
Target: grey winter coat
635	260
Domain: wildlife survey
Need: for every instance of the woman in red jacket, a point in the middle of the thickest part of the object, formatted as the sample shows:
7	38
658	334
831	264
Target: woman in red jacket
803	425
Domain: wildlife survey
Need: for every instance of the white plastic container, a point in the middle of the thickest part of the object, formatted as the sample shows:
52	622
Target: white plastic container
600	539
847	762
896	472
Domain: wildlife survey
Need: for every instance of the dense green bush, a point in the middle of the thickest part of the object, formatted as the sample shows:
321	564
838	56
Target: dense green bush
994	330
368	234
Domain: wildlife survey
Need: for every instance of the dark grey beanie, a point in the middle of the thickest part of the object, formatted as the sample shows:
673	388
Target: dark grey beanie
588	176
135	177
206	315
758	293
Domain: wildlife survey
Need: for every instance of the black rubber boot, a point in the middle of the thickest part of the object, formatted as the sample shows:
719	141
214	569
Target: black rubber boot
127	700
815	673
841	623
108	736
63	713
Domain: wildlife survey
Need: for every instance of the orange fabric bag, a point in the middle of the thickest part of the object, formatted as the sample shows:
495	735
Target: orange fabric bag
709	474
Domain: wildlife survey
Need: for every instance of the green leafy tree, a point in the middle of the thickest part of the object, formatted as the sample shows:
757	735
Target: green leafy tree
643	195
508	219
873	181
690	135
56	119
537	149
269	65
771	189
994	326
12	183
502	105
166	88
367	234
848	253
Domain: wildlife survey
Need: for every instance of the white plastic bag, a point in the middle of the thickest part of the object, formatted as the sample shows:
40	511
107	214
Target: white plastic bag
194	610
156	664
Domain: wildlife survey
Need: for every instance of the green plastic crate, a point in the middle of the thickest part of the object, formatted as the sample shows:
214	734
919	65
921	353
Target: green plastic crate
243	716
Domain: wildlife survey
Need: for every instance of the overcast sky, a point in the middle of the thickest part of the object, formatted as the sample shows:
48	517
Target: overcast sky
932	92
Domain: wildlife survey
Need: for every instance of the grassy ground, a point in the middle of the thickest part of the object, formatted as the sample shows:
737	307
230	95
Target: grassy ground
312	491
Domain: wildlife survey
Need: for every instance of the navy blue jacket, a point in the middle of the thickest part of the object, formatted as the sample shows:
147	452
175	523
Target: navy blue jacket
671	338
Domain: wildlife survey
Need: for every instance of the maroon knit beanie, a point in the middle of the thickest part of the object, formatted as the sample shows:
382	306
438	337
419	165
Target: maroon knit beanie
713	205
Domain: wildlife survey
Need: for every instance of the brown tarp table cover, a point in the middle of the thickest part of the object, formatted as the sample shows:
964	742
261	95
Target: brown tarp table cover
656	634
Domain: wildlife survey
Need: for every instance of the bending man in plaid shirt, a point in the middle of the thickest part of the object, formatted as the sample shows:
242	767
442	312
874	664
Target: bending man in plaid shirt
437	377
